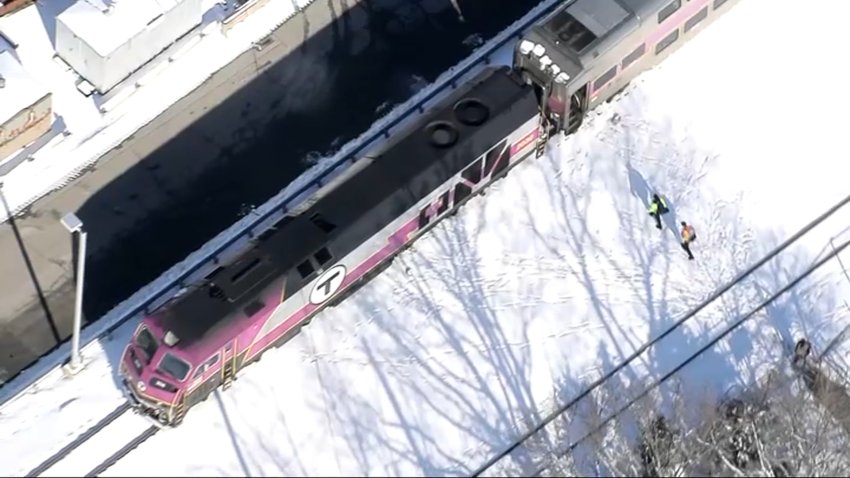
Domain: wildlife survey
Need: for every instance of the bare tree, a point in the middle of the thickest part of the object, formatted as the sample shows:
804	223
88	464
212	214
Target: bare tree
776	428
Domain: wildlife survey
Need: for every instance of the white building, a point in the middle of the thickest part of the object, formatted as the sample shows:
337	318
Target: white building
26	110
106	41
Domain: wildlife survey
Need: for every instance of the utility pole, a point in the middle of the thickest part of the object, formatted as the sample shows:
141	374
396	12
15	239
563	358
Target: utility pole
75	226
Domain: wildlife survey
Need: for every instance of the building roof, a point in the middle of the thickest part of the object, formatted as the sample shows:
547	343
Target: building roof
105	28
20	90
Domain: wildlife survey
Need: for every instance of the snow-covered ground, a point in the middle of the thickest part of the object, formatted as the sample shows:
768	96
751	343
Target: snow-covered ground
93	133
547	281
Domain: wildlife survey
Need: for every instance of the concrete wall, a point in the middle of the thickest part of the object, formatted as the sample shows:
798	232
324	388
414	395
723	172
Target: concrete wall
26	126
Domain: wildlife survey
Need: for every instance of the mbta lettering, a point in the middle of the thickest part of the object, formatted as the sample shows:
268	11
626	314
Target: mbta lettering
476	175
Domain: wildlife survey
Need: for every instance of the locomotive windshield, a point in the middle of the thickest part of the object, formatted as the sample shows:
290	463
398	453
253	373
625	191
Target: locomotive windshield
147	343
174	367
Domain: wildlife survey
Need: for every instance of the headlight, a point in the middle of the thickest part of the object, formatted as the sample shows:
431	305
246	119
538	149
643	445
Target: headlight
163	385
141	386
138	364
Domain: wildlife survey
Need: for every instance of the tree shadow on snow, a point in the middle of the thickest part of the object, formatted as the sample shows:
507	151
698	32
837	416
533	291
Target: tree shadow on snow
657	271
579	249
675	171
493	406
726	247
812	309
442	379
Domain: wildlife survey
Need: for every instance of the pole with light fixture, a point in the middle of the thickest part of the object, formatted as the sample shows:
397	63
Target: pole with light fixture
75	226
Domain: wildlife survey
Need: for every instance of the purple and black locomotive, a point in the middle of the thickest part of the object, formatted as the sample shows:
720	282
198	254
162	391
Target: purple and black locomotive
578	56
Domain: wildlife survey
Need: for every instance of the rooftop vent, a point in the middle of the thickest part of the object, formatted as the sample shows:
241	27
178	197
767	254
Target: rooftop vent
571	32
471	112
442	134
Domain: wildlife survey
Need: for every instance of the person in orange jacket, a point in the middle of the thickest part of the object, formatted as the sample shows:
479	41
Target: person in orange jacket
688	236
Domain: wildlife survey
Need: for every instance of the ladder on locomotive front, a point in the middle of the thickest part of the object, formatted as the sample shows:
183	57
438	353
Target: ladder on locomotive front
179	407
228	367
543	126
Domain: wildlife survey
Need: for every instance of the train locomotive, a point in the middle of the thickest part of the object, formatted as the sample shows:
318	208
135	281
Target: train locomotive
578	56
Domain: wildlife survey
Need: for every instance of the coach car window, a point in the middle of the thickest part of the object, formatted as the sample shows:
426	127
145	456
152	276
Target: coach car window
147	343
173	366
605	78
323	256
634	56
694	20
669	10
305	269
718	3
667	41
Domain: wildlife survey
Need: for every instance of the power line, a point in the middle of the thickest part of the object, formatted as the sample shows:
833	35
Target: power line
703	349
643	348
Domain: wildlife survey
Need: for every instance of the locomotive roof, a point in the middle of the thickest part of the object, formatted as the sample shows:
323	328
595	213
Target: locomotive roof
409	160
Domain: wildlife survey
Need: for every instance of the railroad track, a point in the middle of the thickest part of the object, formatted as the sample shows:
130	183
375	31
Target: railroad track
124	451
84	455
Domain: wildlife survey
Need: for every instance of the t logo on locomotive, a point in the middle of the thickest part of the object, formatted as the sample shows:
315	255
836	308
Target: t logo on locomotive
328	284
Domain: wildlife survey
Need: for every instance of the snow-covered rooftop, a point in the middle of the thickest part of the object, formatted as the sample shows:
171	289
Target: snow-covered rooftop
107	25
20	90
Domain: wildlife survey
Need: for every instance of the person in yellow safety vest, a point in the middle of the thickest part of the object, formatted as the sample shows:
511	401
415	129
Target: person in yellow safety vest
688	236
657	208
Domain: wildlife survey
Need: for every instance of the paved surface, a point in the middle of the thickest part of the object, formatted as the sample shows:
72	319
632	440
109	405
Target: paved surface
236	141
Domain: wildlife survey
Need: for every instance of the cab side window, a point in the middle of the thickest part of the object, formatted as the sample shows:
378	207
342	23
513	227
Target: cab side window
315	263
305	269
323	256
206	366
